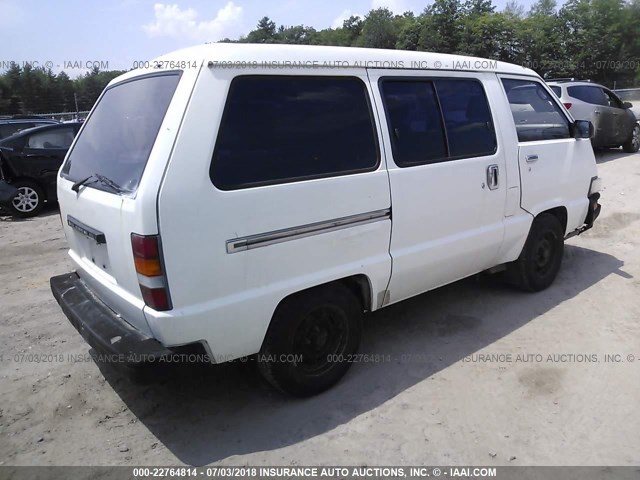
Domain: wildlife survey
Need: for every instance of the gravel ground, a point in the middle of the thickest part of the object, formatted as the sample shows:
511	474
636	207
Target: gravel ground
473	373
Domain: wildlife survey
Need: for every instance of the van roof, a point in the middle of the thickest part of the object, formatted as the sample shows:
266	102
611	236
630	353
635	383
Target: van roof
309	57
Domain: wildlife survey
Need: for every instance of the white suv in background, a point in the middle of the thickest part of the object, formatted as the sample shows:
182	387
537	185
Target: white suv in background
615	124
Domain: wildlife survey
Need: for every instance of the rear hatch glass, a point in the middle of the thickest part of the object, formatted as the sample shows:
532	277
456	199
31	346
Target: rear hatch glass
112	149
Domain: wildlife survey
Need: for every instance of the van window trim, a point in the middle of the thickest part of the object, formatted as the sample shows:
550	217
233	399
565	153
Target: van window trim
553	96
266	183
448	158
97	186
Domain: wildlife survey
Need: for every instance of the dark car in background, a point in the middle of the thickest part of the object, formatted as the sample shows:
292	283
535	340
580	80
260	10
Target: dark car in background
12	125
30	160
631	95
614	123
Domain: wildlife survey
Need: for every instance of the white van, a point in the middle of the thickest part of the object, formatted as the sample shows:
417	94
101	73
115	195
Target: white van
258	199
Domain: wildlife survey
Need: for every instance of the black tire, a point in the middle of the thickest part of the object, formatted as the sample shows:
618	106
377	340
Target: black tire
29	200
633	144
541	257
322	326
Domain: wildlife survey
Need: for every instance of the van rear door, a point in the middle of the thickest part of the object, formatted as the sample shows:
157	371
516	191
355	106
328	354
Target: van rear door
108	184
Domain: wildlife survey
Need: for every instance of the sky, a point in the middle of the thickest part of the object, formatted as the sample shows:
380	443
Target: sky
74	35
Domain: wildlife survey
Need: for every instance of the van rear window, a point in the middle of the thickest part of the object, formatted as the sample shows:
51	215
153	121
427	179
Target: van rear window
279	129
118	136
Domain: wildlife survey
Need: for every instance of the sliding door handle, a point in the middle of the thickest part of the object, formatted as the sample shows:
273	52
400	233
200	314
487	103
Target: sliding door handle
492	177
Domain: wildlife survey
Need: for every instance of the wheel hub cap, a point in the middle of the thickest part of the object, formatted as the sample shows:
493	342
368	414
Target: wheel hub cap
26	200
544	253
322	334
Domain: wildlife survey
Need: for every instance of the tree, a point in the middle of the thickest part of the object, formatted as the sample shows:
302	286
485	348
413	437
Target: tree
603	39
298	34
491	36
442	26
541	37
478	7
378	30
264	33
352	28
409	34
64	88
514	10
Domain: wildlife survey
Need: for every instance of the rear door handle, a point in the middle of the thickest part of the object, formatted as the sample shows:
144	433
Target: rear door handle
532	158
492	177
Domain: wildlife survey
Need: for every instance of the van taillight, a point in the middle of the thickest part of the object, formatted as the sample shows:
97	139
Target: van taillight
151	274
567	105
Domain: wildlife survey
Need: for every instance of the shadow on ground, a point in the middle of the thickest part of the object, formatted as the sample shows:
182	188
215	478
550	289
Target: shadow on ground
226	410
609	154
49	208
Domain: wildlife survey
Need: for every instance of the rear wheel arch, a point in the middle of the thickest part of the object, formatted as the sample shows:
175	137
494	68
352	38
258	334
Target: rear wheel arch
311	336
360	286
541	257
560	213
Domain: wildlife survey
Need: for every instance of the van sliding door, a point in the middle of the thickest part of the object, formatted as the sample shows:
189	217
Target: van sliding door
447	175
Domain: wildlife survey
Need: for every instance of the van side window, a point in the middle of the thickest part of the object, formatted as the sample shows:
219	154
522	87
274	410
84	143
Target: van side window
437	120
537	116
415	122
279	129
470	131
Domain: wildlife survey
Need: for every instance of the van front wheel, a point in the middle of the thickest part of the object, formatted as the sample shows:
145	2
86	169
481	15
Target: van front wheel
311	339
541	257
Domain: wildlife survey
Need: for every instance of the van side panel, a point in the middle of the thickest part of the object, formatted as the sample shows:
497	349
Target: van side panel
225	294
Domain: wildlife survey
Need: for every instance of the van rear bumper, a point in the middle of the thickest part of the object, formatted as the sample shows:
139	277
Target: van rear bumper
592	214
113	338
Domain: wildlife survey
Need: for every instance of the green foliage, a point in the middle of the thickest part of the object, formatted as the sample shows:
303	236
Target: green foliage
443	28
265	32
27	90
379	30
587	39
594	39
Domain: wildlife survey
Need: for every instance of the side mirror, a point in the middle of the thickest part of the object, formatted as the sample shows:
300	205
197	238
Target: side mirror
627	105
583	129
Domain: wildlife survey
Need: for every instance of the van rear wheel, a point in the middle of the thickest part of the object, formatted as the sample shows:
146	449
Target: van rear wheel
310	339
541	257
